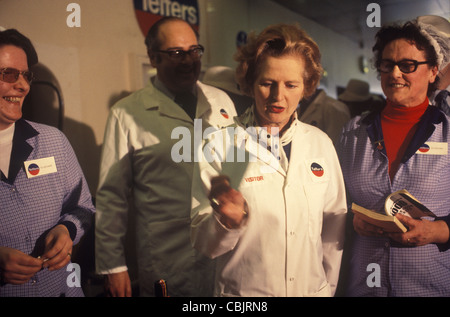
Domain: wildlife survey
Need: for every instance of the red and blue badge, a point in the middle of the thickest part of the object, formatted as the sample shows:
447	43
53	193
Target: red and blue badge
424	148
224	113
317	169
33	169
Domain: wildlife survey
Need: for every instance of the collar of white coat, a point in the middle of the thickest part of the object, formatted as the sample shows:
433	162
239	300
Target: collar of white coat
248	119
163	100
279	160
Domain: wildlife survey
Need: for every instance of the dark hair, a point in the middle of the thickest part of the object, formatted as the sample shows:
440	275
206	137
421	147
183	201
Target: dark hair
279	40
152	40
407	31
14	37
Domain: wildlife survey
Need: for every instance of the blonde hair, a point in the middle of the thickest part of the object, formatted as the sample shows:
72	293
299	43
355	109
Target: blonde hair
276	41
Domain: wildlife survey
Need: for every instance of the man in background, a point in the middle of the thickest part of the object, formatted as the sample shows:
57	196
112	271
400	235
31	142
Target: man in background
139	174
324	112
438	29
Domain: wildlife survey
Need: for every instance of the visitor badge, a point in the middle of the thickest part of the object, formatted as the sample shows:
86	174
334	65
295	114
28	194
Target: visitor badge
433	148
40	167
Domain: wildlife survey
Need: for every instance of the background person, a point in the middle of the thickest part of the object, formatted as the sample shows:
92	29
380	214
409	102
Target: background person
45	205
224	77
380	155
357	97
275	224
437	29
324	112
138	173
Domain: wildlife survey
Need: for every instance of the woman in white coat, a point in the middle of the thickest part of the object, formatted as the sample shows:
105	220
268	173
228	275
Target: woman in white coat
269	201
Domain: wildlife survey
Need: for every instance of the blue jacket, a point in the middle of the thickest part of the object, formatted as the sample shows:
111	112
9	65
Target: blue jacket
30	207
404	271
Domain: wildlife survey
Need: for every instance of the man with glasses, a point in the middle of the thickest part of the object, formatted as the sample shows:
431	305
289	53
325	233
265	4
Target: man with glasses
45	203
139	177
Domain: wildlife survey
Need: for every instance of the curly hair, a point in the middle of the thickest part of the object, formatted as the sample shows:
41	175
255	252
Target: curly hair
276	41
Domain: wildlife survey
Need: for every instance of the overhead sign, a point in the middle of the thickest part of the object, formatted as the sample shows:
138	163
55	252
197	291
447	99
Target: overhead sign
150	11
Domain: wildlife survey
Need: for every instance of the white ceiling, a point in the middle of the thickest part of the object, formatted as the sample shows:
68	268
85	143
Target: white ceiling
348	17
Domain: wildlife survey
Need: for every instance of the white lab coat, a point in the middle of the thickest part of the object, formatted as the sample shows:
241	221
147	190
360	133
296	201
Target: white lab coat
137	169
291	243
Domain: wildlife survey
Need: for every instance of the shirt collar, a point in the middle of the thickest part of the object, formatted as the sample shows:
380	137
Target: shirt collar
160	85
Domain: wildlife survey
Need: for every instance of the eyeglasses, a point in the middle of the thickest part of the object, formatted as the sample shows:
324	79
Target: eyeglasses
11	75
406	66
196	53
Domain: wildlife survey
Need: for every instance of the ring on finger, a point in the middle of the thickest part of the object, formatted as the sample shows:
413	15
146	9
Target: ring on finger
215	202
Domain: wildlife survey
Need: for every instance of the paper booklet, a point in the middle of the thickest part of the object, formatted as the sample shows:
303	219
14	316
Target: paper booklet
398	202
406	204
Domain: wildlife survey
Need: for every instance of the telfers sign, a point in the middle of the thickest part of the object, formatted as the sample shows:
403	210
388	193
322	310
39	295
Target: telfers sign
150	11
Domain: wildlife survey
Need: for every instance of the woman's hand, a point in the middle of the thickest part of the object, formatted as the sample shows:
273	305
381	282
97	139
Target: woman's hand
17	267
421	231
228	202
58	248
366	229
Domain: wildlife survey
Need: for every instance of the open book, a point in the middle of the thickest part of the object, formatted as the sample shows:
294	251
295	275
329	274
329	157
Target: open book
398	202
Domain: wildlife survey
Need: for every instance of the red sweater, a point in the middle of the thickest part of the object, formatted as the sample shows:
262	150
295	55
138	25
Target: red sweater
399	123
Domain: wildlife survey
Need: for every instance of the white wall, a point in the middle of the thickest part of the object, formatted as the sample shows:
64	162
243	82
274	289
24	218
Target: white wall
96	63
91	63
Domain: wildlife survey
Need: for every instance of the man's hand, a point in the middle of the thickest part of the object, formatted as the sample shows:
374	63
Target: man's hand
118	284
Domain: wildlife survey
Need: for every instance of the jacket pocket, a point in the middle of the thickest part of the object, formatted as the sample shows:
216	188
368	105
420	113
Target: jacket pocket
325	291
316	196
